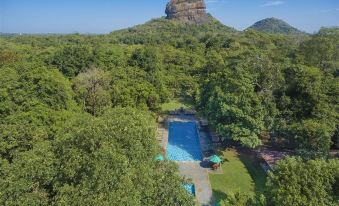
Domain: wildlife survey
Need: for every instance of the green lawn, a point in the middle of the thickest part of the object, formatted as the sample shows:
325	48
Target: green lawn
174	105
242	173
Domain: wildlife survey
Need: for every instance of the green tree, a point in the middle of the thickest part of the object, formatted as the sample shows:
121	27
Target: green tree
103	159
7	57
307	116
129	88
28	179
311	138
26	85
322	50
147	58
71	60
94	160
33	100
229	101
92	89
299	183
242	199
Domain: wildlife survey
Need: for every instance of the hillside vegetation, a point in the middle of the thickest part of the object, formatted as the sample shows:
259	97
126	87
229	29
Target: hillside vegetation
275	26
77	112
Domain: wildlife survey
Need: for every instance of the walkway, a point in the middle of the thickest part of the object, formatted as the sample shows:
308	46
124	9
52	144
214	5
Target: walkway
199	177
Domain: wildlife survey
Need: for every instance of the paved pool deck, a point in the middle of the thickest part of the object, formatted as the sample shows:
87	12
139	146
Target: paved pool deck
195	170
200	179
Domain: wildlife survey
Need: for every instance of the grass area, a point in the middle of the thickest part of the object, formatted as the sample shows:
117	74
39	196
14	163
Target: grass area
242	173
173	105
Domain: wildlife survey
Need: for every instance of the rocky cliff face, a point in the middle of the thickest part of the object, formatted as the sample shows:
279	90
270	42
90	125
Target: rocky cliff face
192	11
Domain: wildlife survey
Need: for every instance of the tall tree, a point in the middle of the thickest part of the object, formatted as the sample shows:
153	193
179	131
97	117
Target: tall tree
92	88
71	60
229	101
299	183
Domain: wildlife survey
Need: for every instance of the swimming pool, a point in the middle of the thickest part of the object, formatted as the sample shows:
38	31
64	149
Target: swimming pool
183	142
190	188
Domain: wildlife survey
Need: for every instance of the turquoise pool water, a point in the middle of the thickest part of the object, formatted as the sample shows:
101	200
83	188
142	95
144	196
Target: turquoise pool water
183	142
190	188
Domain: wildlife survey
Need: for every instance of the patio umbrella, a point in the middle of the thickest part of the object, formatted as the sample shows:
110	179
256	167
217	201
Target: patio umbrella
159	157
215	159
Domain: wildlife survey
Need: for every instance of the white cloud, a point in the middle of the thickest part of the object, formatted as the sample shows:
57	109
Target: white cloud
273	3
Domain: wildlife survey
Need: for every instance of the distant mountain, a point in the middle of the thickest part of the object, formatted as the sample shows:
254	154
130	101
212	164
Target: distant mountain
8	34
275	26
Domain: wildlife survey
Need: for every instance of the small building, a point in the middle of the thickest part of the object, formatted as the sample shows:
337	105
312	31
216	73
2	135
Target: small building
271	157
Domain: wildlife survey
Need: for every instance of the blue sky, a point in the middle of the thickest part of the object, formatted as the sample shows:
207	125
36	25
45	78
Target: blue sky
103	16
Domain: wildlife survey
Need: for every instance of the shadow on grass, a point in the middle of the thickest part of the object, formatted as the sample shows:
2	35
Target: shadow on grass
177	103
221	155
219	196
257	174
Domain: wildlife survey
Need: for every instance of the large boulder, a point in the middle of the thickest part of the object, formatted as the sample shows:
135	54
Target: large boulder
192	11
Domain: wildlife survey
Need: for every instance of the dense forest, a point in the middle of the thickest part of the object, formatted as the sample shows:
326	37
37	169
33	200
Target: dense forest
78	112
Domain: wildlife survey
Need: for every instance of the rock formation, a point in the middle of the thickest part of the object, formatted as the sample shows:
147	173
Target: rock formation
192	11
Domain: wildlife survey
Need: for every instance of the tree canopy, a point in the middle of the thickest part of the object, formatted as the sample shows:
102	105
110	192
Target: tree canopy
295	182
77	112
